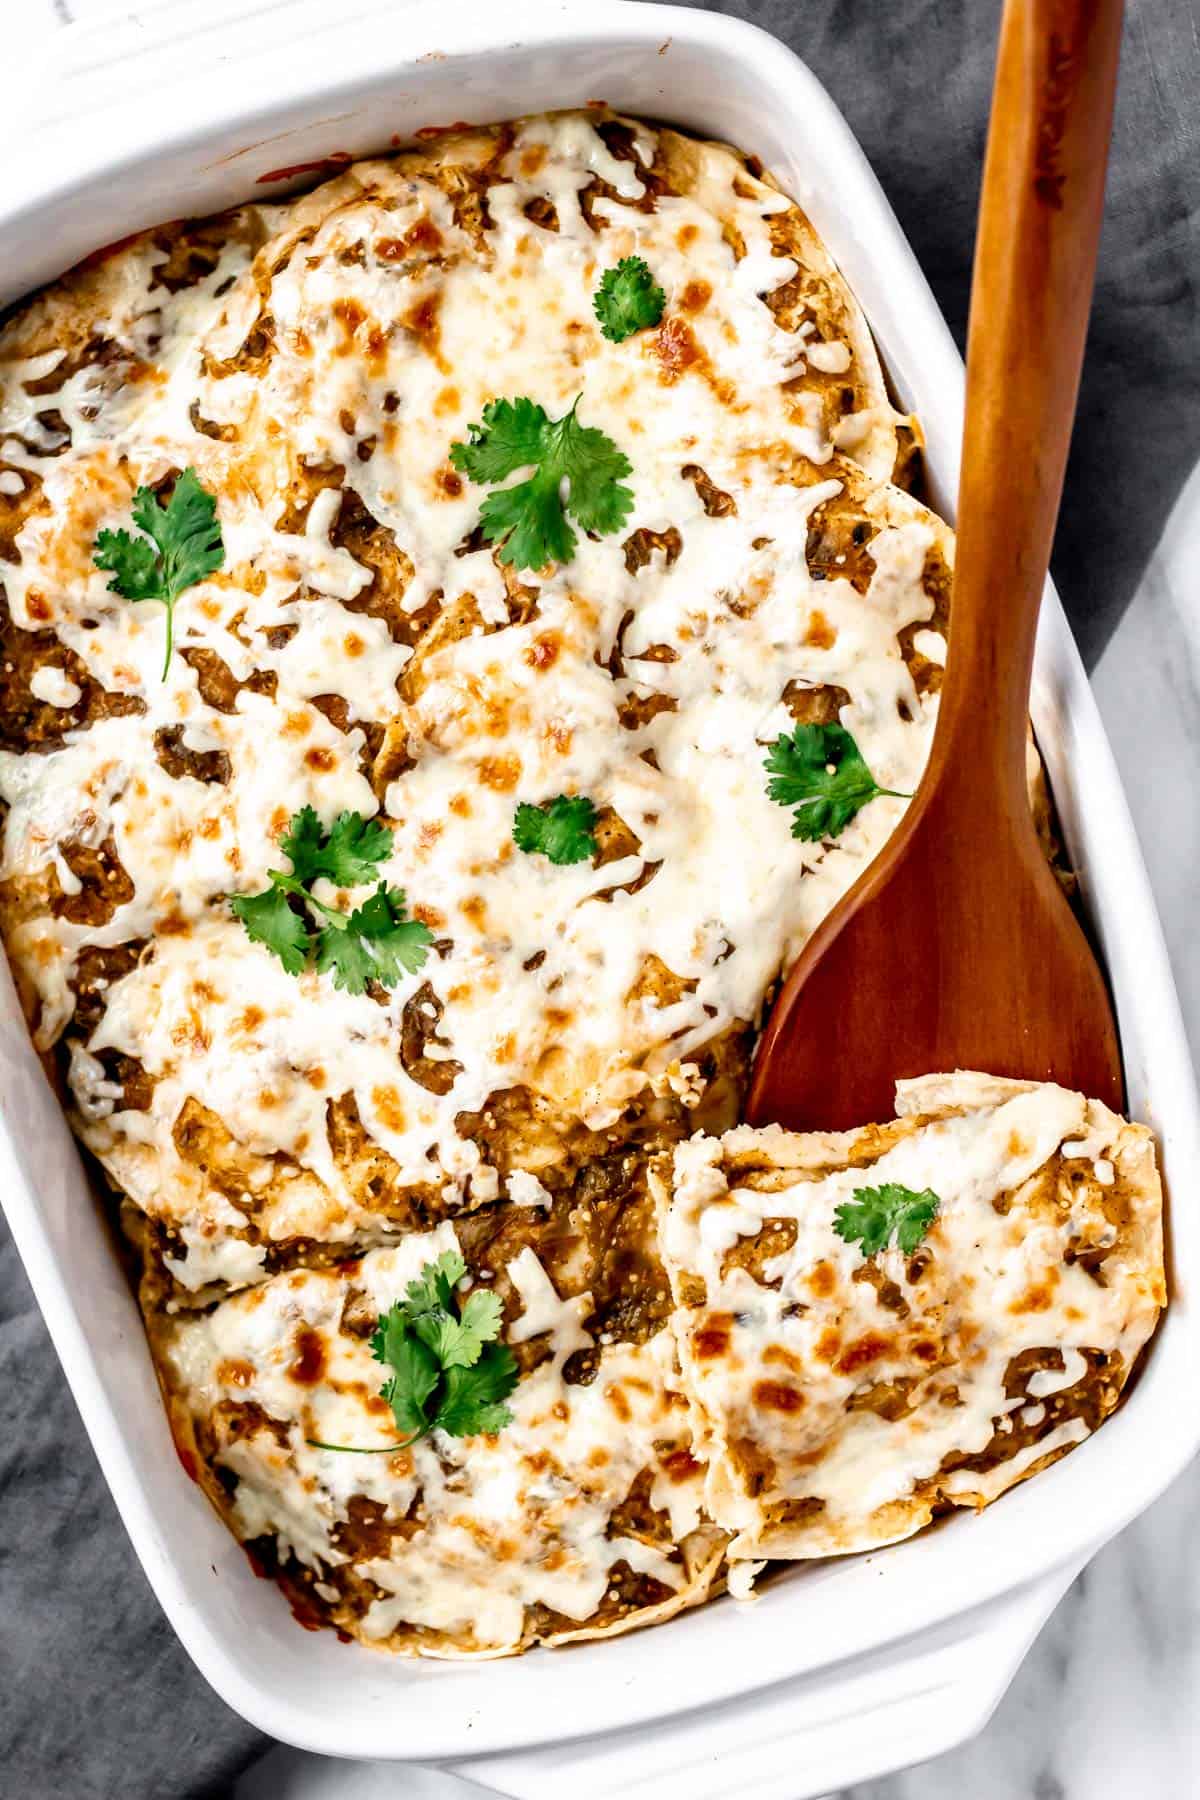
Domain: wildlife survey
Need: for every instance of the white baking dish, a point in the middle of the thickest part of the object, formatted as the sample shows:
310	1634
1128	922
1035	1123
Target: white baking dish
903	1652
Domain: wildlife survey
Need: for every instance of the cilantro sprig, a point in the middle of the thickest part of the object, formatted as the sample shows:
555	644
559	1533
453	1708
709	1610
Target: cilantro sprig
875	1214
562	829
448	1372
347	854
821	772
576	469
182	545
628	300
377	941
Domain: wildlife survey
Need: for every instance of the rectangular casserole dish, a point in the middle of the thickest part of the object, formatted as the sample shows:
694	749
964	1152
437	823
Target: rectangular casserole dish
186	130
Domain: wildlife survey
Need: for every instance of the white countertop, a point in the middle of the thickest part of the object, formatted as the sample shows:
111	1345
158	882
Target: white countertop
1104	1708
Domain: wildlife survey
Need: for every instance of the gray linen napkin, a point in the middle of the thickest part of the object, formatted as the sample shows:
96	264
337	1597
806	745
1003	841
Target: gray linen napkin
96	1697
98	1700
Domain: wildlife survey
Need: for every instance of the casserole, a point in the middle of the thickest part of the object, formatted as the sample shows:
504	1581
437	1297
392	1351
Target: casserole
658	61
577	986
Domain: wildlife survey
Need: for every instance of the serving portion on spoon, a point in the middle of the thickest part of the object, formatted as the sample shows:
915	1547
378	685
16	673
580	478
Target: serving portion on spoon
957	947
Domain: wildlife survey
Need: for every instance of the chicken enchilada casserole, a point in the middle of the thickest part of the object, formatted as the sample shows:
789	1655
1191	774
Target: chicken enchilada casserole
463	630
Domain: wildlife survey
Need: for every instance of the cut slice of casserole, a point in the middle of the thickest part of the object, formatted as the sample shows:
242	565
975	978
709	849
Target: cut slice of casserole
841	1399
581	1518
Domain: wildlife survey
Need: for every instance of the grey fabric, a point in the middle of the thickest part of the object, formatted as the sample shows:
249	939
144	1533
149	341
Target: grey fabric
98	1700
96	1697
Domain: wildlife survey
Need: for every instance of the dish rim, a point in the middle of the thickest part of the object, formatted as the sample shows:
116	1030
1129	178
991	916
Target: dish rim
1066	715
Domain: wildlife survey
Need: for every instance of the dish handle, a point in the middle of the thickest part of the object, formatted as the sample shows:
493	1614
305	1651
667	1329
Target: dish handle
911	1701
161	56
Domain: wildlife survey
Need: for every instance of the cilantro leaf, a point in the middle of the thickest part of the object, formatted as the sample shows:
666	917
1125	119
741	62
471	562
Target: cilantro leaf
481	1314
562	829
448	1371
390	1331
301	842
138	574
876	1213
271	921
593	466
576	468
529	523
820	771
435	1285
355	846
628	300
186	531
510	437
450	1342
412	1383
457	1342
378	942
472	1400
342	954
182	545
375	942
347	854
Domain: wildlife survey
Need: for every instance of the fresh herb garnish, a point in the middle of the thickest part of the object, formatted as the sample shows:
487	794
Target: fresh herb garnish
378	942
875	1213
448	1373
271	921
182	545
820	771
628	300
576	469
375	942
563	829
347	854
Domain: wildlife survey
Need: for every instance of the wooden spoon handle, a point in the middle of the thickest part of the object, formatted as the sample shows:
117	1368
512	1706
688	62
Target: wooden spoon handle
1035	256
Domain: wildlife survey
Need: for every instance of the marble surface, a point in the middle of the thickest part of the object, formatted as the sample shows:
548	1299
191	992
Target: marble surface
1105	1706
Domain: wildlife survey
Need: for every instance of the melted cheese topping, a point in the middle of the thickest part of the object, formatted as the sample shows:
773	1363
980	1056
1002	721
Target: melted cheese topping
467	1535
390	316
362	650
838	1399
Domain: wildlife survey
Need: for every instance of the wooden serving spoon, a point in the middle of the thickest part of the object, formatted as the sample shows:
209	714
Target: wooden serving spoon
956	949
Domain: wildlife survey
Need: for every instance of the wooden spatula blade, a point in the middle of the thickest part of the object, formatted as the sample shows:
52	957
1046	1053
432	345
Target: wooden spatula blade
937	963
